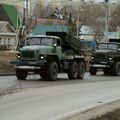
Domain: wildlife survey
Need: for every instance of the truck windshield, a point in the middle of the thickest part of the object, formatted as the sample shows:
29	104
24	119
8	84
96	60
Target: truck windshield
39	41
108	46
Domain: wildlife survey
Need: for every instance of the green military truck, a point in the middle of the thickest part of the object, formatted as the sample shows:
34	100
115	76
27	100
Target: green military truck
49	54
107	58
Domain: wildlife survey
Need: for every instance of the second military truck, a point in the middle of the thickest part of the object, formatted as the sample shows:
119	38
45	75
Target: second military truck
49	54
107	58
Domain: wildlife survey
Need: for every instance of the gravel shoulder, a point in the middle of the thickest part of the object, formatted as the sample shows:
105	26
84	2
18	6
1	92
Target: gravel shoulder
109	111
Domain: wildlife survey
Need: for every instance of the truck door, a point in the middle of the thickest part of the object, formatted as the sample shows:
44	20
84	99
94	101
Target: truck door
58	48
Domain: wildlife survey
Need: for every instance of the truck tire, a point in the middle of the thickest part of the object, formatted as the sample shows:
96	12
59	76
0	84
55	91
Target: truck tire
116	69
73	71
93	70
52	71
21	74
107	71
43	75
81	70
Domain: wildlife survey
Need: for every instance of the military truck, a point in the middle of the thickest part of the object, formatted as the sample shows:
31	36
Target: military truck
107	58
49	54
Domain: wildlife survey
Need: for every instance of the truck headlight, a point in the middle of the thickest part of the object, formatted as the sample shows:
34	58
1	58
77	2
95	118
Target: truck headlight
41	57
110	58
18	56
92	57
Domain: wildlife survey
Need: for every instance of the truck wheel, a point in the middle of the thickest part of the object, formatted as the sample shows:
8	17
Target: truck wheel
21	74
52	71
81	70
116	69
93	71
43	75
107	71
73	71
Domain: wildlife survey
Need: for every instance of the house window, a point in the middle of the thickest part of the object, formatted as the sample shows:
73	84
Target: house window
4	41
8	41
12	41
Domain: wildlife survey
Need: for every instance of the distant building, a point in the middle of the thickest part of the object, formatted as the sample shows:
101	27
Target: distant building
7	36
87	33
114	35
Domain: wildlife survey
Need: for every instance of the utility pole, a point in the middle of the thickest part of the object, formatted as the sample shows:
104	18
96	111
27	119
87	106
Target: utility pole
26	17
106	20
78	18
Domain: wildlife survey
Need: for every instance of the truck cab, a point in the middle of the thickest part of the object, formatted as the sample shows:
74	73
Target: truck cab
41	45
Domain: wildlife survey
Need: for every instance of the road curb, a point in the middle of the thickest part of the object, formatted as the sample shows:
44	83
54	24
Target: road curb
7	74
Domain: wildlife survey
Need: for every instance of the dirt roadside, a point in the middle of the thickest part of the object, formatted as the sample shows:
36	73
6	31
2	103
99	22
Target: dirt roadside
109	111
115	115
5	58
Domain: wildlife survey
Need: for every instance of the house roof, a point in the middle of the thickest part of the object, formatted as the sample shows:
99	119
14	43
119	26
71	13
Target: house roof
9	13
8	34
4	24
42	29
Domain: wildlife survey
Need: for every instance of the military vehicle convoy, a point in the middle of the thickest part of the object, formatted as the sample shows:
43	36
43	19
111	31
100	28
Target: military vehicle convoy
107	58
49	54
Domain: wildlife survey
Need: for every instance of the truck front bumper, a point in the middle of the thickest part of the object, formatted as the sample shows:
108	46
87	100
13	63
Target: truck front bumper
105	64
29	65
99	66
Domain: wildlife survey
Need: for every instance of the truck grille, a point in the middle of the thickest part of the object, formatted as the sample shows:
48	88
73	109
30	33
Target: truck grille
27	54
100	56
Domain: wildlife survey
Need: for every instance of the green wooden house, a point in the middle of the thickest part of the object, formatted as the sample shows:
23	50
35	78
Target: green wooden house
10	14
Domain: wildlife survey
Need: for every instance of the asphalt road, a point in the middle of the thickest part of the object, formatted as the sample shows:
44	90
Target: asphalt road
7	82
54	100
34	81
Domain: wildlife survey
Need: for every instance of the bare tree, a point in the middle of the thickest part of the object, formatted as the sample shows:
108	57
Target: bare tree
39	11
115	18
92	15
